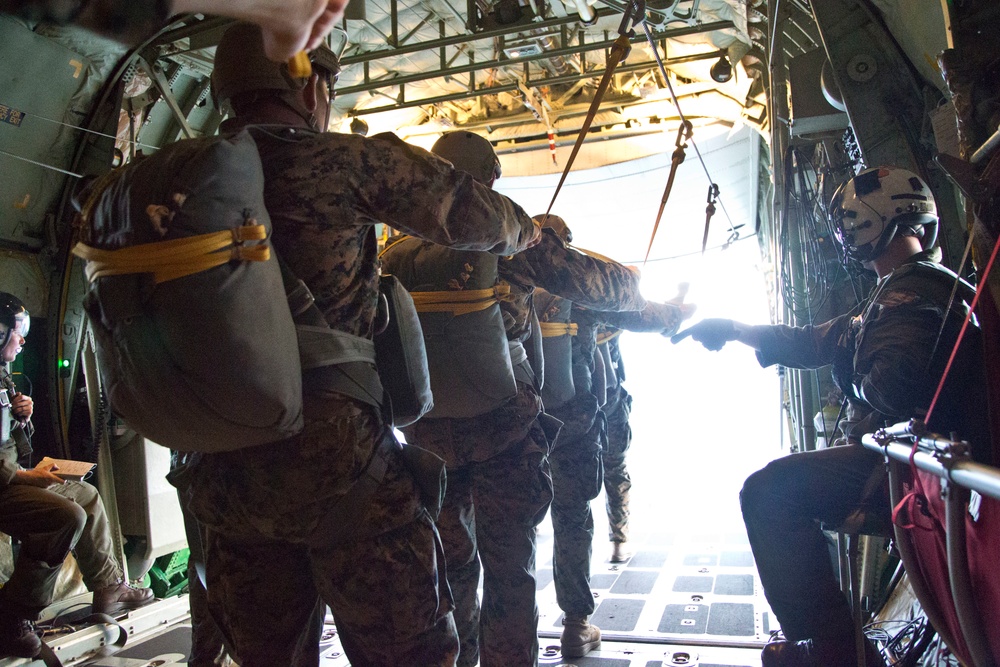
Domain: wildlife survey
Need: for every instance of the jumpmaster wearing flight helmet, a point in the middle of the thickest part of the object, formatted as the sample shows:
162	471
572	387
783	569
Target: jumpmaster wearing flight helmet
13	317
242	68
871	208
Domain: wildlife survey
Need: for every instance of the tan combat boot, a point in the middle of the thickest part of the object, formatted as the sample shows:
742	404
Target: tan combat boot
579	637
620	552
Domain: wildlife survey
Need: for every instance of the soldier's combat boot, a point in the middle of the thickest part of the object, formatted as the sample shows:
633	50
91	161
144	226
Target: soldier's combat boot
818	653
18	638
579	637
118	597
620	552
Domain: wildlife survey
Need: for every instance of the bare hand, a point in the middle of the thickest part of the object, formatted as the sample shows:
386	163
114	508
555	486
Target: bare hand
21	406
41	476
536	236
288	26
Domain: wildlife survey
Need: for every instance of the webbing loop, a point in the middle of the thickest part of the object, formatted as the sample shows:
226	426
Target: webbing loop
459	302
555	329
176	258
607	336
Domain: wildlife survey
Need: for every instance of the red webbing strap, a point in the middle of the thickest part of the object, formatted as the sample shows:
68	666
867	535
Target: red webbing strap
619	50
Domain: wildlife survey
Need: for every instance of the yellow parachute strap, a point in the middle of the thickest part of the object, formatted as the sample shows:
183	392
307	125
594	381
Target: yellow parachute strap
604	337
554	329
176	258
459	302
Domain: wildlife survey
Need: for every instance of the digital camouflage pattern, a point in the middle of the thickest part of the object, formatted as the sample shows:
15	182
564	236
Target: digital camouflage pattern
491	455
617	481
491	511
267	563
325	192
567	273
577	458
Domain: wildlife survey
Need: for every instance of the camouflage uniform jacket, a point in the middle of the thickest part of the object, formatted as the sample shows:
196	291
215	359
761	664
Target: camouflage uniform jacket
567	273
887	357
560	270
325	192
579	413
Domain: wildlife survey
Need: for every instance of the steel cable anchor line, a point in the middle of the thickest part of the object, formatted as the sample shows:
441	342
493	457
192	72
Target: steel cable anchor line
634	14
684	134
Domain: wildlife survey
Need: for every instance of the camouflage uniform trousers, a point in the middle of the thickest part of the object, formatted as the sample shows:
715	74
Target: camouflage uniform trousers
617	482
269	559
577	475
492	507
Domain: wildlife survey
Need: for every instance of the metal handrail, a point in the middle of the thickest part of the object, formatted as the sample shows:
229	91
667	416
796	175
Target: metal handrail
936	454
948	459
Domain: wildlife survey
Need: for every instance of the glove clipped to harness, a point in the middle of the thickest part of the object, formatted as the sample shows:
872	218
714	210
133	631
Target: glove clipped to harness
195	338
713	333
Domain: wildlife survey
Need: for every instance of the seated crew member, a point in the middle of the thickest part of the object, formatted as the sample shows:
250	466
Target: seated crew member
50	516
888	360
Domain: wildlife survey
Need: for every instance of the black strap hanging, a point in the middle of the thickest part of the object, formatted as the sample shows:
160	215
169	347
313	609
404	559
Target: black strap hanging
684	133
634	14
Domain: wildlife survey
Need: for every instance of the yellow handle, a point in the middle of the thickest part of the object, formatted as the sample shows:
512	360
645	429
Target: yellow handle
299	66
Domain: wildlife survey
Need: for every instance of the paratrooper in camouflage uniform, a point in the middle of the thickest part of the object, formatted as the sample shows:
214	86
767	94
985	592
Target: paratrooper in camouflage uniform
499	487
617	481
272	511
576	459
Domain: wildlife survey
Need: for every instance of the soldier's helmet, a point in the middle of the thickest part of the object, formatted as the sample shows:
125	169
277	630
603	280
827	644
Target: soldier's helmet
871	208
13	317
470	153
556	224
241	65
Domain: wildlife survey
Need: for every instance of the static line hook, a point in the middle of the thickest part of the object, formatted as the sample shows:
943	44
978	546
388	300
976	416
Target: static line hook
634	14
684	134
713	195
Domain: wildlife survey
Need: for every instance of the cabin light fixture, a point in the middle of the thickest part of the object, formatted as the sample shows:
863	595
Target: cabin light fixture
523	50
721	71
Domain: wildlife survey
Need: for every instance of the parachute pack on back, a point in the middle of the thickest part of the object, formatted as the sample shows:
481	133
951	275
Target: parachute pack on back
195	340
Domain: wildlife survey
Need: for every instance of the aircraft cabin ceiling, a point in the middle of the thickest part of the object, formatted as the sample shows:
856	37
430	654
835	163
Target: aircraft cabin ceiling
512	70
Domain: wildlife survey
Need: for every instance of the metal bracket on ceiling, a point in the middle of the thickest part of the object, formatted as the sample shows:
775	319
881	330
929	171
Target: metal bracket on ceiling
659	18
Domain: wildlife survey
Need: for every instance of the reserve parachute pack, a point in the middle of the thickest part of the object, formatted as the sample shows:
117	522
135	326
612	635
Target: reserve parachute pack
195	339
557	344
457	300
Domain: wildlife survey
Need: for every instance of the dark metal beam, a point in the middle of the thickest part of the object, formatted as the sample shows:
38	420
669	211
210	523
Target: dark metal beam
513	30
546	81
508	62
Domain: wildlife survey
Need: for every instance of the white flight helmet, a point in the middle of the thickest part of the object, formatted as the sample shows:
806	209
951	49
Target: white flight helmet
870	208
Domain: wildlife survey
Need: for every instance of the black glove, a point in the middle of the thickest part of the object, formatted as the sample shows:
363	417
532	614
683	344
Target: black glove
713	333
